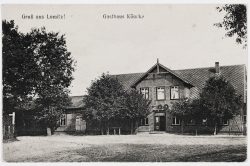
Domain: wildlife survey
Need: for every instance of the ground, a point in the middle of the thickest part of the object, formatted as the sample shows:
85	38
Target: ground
133	148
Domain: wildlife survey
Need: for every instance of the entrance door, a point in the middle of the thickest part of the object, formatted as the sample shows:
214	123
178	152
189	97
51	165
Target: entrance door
160	123
80	124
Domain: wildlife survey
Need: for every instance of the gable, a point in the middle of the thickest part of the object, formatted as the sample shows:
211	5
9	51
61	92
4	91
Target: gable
157	70
197	77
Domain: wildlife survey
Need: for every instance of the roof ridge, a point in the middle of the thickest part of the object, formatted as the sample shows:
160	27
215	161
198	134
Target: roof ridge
126	74
208	67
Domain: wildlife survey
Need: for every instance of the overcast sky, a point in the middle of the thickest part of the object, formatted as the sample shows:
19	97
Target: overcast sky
181	36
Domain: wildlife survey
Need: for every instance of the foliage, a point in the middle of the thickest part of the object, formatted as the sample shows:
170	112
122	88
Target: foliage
107	102
36	65
104	99
219	100
235	21
136	106
186	109
19	68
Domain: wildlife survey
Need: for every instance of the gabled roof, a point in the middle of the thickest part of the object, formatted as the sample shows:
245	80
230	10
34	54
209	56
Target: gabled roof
165	68
197	76
76	102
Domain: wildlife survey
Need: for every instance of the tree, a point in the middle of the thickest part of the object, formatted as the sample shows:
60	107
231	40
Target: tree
36	65
107	102
235	21
137	107
19	67
104	101
219	100
186	109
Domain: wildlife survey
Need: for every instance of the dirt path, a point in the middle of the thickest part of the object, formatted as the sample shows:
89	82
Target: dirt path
44	147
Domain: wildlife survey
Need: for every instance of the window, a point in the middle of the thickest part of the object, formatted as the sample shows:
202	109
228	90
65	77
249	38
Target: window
245	119
224	122
176	121
160	93
63	120
174	93
144	122
204	122
145	92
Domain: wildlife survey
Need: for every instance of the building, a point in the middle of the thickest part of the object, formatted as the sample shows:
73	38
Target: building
72	121
164	86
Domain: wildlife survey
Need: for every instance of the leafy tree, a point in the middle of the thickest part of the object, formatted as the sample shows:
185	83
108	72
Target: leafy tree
185	110
219	100
107	102
36	65
235	21
137	107
55	66
19	68
104	101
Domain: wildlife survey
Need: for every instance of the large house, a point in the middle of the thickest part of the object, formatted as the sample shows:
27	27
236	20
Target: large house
164	86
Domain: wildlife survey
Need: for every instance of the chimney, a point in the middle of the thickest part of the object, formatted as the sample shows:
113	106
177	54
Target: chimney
217	68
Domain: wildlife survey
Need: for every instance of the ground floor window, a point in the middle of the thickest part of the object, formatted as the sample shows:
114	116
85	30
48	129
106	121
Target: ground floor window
63	120
224	122
245	119
144	122
176	121
204	122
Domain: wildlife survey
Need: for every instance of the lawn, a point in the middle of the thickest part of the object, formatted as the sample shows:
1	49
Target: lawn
126	148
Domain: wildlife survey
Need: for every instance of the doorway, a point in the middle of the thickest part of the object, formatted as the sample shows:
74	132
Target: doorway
160	123
80	124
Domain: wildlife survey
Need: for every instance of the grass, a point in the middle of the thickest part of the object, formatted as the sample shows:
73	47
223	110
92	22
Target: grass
101	149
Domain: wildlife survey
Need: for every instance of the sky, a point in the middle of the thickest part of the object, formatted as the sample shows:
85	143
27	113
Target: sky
180	36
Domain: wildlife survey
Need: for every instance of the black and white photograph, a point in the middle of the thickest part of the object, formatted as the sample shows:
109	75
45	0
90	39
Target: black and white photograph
124	83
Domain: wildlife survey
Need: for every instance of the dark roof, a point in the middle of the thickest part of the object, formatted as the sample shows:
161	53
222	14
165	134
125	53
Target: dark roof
76	102
196	76
166	69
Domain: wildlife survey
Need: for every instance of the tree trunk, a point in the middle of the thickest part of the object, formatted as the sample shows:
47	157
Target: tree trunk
215	129
132	125
182	126
49	131
107	127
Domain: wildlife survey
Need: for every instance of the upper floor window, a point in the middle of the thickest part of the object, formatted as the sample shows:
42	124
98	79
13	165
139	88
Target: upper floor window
145	92
63	120
160	93
174	93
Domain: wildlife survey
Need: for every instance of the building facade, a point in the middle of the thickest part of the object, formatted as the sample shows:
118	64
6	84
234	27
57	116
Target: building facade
164	87
72	121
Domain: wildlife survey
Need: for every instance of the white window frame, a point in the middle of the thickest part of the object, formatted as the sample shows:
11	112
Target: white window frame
144	122
63	121
145	92
157	93
174	122
173	90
